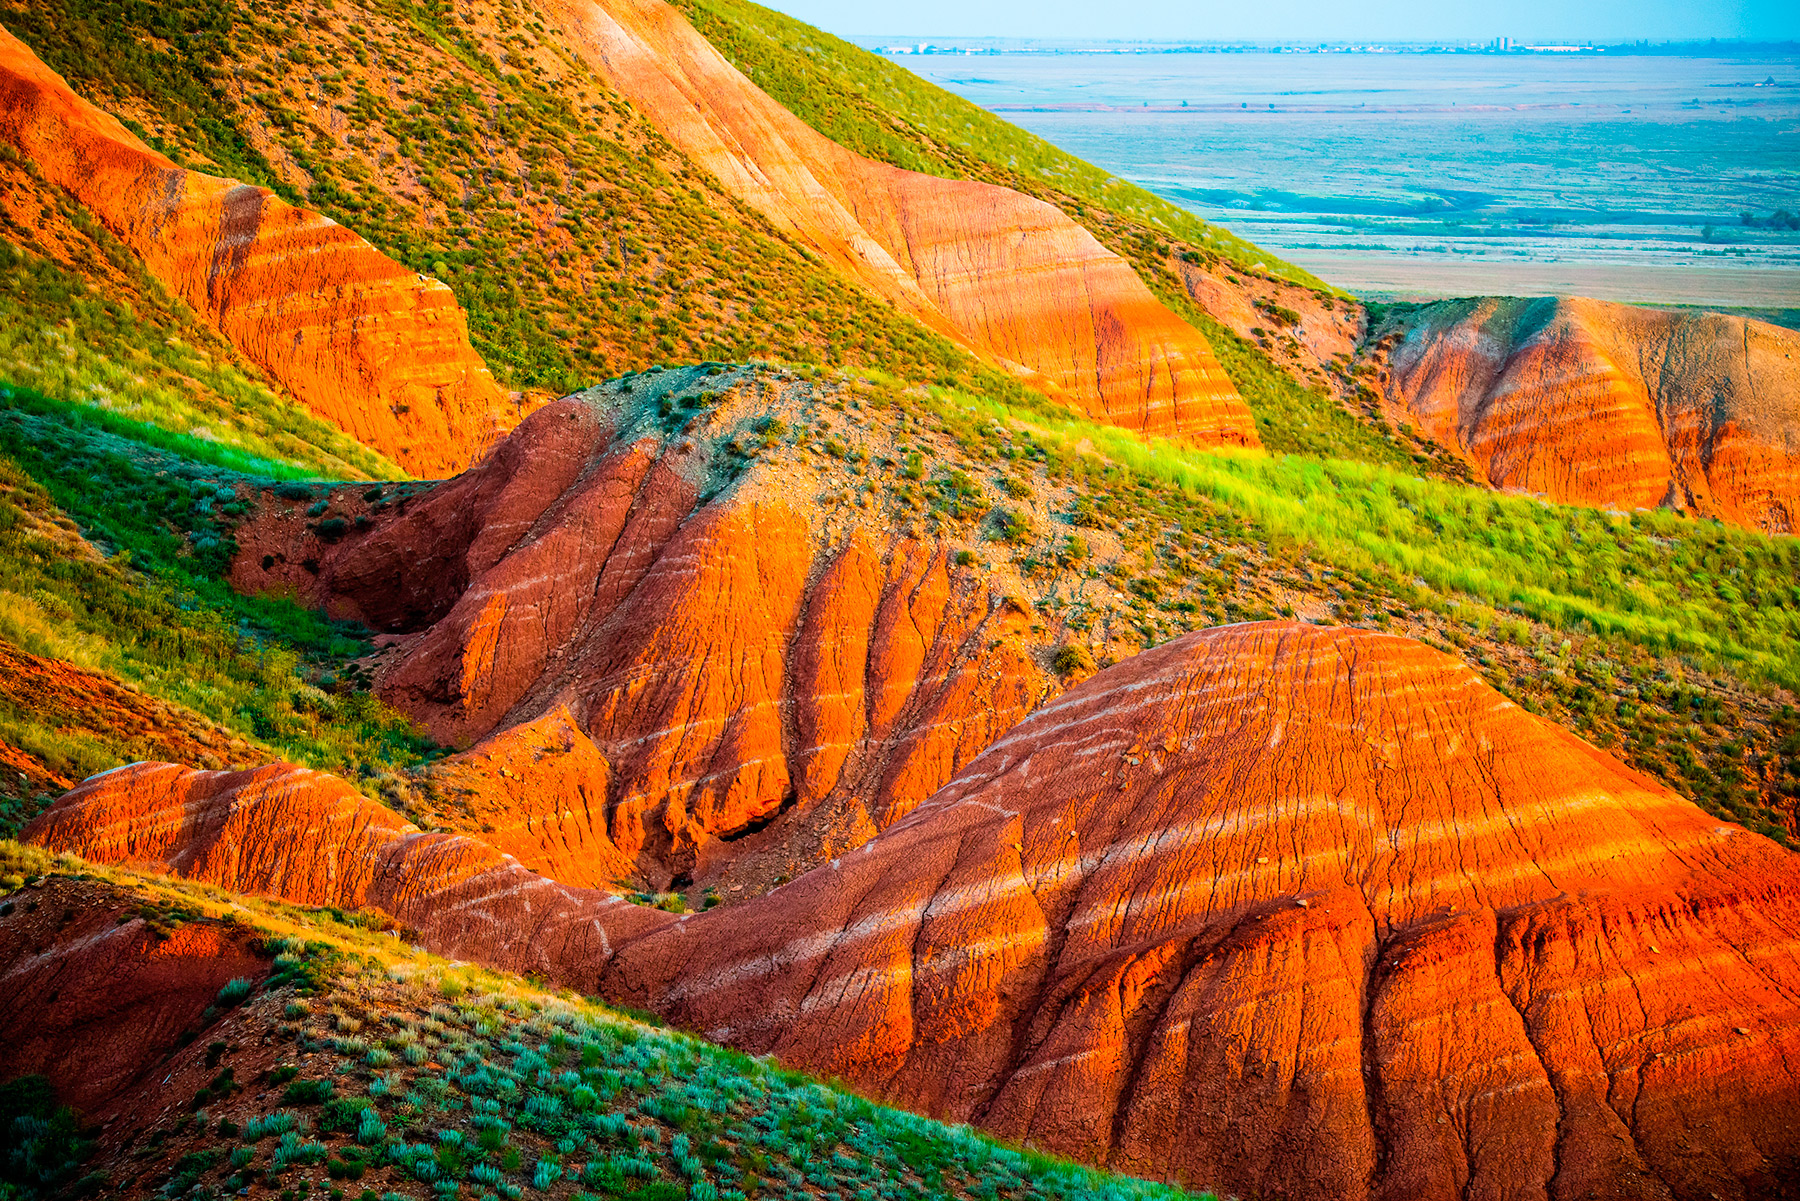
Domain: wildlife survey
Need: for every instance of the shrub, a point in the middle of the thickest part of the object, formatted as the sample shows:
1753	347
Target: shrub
235	991
280	1122
1011	526
308	1092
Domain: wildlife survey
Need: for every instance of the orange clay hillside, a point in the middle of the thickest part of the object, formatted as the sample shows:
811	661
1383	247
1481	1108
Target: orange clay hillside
1289	910
649	675
1608	404
1008	276
359	340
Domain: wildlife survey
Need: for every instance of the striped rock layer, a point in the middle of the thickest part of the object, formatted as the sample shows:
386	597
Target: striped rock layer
658	673
1608	404
1006	276
1279	910
359	340
307	837
1292	911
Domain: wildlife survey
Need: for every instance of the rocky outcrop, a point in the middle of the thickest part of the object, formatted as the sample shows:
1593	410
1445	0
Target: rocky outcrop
307	837
538	792
745	667
1608	404
1009	277
1293	911
359	340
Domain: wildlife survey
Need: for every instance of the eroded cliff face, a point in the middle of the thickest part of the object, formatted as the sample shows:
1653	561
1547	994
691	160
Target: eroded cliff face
1609	404
679	672
307	837
1007	276
95	996
1293	911
359	340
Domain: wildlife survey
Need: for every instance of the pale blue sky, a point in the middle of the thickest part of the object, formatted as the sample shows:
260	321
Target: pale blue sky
1299	20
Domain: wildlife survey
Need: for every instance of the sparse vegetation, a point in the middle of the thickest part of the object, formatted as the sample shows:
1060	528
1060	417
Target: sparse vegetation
880	109
468	146
520	1091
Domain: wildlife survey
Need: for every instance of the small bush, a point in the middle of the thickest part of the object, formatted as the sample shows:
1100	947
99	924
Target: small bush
308	1092
1012	526
235	991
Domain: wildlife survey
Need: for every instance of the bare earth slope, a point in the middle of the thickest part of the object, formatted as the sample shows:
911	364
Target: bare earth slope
359	340
1286	910
659	669
1610	404
1294	911
304	836
1006	275
95	995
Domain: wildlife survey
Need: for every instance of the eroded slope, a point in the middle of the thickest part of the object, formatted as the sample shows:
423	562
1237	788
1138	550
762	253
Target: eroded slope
377	350
1006	275
1293	910
1609	404
663	655
1298	911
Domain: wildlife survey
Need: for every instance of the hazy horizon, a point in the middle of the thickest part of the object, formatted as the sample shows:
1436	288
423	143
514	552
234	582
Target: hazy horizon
1614	21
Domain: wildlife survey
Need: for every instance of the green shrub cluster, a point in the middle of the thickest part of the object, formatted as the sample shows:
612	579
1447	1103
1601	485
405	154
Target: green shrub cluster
42	1146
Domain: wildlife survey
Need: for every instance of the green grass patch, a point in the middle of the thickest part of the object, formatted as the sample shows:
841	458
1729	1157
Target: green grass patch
1730	597
154	610
127	348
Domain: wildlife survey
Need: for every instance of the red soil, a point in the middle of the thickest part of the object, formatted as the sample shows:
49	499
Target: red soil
361	341
1009	277
1291	911
1608	404
715	666
1282	909
307	837
94	997
90	704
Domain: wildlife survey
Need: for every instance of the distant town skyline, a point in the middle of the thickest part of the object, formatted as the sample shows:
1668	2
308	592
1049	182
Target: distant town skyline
1302	20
